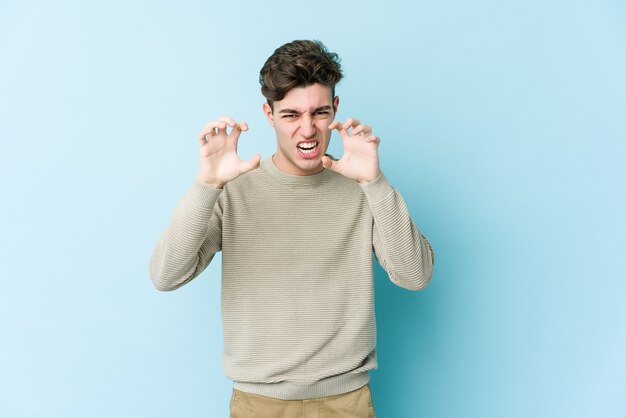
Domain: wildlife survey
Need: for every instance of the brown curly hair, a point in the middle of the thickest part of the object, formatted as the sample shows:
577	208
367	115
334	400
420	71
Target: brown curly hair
300	63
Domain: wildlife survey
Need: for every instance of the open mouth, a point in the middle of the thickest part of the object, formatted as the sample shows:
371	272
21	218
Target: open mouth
308	147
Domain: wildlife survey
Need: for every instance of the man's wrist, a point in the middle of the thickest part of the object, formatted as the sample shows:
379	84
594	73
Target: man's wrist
211	183
378	189
374	178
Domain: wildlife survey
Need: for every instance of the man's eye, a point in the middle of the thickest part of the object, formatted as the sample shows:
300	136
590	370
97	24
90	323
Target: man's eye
289	116
322	113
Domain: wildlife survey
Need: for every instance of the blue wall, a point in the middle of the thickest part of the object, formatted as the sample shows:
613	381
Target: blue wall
502	123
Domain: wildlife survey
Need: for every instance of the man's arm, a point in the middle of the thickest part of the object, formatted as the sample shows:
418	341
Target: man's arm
195	232
402	250
399	246
190	241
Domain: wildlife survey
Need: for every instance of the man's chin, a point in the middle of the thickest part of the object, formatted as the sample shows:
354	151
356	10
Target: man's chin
311	166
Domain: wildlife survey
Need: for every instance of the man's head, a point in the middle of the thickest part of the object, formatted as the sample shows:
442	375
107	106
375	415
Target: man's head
298	80
299	64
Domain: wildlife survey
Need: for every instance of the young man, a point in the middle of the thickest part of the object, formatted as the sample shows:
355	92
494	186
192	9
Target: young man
296	233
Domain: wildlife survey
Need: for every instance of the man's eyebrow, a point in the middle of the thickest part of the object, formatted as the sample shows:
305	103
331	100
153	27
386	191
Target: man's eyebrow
318	109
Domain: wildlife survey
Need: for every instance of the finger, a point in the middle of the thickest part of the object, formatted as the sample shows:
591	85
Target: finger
236	130
351	122
343	132
340	128
233	137
228	120
334	124
215	124
251	164
212	129
329	163
221	128
205	134
373	139
362	130
240	127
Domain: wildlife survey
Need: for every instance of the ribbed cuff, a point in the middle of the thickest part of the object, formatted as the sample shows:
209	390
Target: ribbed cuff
203	195
378	189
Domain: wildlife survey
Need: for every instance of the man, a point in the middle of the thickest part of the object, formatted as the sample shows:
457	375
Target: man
296	233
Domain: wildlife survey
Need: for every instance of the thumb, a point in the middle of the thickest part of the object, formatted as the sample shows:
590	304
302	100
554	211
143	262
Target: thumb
251	164
329	163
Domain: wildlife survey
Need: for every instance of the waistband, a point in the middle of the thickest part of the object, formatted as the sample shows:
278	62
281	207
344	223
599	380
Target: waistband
289	390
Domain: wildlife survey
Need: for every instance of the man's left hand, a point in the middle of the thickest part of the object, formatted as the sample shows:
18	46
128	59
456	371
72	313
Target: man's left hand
360	152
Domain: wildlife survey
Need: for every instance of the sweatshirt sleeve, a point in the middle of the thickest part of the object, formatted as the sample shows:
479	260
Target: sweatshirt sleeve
190	241
399	246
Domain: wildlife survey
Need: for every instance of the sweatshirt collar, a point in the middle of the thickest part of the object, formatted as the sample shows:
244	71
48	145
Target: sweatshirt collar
313	179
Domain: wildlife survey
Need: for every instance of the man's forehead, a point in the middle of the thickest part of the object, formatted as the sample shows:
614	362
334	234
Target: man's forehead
303	99
290	109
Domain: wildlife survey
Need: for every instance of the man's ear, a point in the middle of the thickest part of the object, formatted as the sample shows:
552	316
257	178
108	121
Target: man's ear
335	104
269	114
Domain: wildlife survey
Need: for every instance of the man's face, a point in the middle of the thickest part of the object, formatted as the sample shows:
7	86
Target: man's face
301	122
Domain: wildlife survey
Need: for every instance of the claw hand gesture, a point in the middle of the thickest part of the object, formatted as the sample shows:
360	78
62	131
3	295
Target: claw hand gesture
360	152
219	162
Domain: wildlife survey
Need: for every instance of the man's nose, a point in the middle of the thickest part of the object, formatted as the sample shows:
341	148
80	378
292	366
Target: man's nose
307	127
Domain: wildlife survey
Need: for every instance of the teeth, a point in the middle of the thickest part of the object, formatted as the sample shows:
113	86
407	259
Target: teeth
307	146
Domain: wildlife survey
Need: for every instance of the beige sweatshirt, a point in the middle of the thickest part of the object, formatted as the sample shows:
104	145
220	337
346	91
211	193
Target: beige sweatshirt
297	274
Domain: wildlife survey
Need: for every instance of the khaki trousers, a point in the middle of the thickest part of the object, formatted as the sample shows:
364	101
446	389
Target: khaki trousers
355	404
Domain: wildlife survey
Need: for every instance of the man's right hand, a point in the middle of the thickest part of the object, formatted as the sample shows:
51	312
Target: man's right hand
219	162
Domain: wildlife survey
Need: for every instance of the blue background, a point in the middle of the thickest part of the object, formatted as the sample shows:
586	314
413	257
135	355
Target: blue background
502	123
